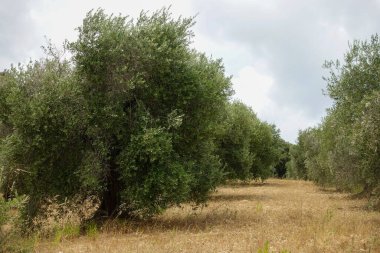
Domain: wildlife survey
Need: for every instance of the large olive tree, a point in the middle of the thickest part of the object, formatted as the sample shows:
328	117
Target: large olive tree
131	118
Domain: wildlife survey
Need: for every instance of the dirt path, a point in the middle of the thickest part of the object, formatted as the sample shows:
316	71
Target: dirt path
291	215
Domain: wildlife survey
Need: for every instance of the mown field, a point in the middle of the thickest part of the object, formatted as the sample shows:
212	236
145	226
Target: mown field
293	216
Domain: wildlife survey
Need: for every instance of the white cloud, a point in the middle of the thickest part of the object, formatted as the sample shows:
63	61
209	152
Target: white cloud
253	88
289	120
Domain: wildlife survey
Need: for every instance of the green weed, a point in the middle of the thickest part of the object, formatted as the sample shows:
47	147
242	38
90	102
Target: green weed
265	249
69	231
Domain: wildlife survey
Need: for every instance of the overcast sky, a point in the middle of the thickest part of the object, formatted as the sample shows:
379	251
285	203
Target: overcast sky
274	49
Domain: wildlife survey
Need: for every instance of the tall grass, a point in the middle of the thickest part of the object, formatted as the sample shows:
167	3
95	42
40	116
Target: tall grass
294	216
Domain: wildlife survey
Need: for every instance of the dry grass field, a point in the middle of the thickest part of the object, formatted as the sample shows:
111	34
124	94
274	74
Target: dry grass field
291	215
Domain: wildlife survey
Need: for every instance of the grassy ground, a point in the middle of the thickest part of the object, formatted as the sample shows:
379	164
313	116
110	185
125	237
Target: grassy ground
291	215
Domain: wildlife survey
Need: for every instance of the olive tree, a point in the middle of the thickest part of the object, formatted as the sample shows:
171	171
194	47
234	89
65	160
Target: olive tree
248	147
130	118
344	150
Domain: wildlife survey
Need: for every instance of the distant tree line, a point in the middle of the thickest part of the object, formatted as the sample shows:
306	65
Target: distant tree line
136	117
344	150
248	147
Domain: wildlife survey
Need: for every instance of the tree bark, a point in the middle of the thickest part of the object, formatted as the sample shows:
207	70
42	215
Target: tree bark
111	197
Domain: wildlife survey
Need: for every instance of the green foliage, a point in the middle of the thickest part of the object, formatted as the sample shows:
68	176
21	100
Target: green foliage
266	145
11	239
344	150
150	161
249	148
281	168
91	230
69	231
235	149
297	153
47	113
131	118
367	140
265	249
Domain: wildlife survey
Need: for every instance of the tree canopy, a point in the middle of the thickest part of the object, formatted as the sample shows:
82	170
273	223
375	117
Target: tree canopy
130	118
134	116
344	150
249	148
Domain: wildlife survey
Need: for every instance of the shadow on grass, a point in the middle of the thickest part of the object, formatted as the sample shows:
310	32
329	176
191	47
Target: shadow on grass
244	184
202	219
237	197
328	190
338	194
198	220
194	222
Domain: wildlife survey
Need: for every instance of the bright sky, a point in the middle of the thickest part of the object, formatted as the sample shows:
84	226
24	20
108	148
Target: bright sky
273	49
